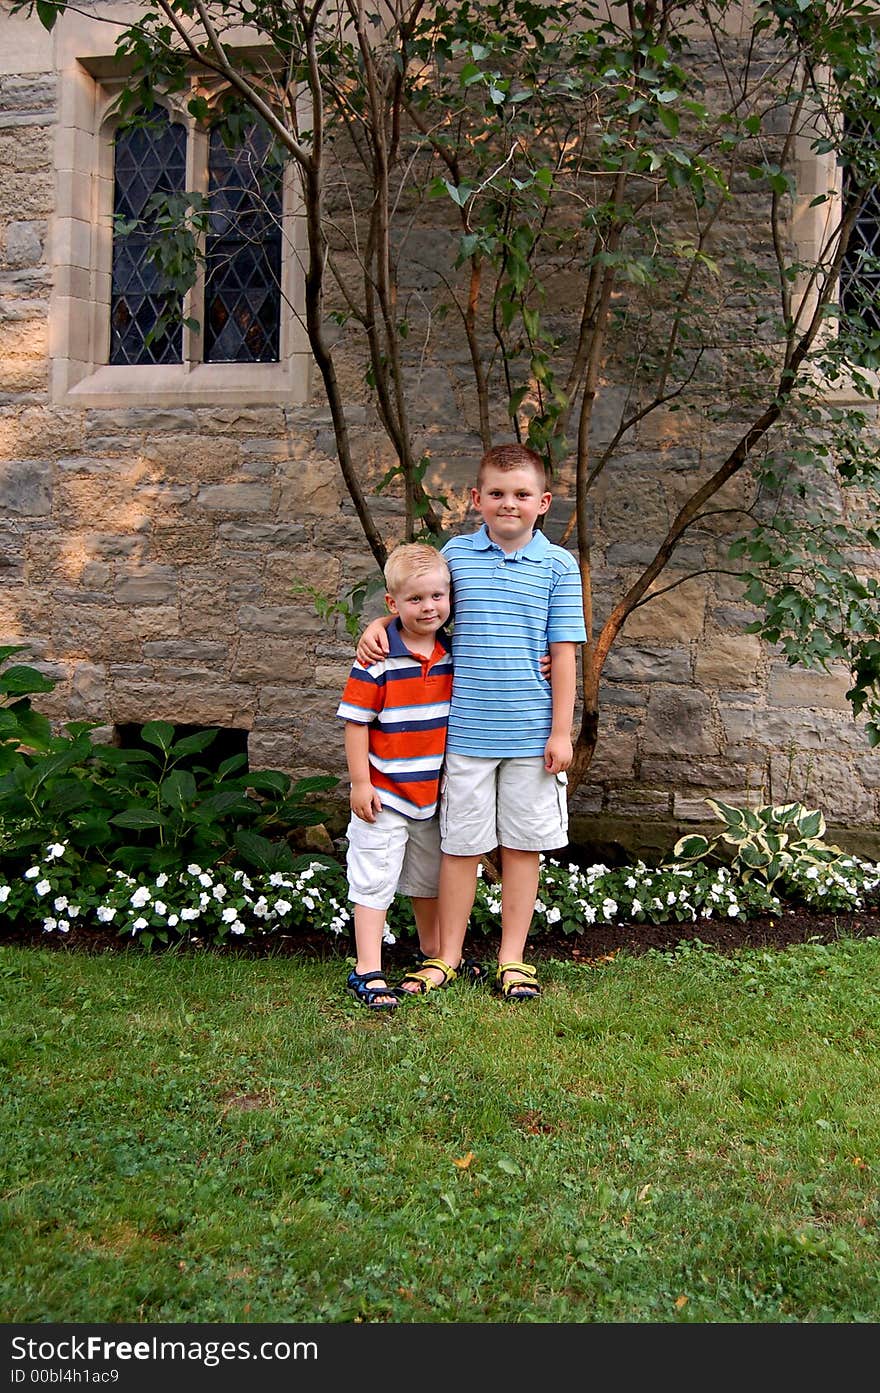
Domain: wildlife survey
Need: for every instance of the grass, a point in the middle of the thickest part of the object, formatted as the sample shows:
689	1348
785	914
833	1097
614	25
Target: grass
670	1137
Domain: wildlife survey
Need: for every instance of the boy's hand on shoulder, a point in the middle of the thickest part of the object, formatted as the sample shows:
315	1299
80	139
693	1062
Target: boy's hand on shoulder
365	802
372	646
558	754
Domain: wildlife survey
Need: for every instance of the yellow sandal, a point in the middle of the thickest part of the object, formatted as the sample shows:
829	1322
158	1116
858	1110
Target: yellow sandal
424	982
522	988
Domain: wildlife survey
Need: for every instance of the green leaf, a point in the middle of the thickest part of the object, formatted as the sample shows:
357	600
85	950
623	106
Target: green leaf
269	781
47	13
118	758
193	744
138	818
813	825
691	847
159	733
178	789
21	680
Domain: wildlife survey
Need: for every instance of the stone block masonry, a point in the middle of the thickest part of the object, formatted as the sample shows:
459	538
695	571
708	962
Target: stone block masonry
157	559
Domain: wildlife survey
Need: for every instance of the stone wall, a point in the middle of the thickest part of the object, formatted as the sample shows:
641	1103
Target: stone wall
150	559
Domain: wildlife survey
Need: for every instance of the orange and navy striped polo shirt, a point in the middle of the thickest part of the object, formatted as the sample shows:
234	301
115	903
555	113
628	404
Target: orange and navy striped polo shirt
405	701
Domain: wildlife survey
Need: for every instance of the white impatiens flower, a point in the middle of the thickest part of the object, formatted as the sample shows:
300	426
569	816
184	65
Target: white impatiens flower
43	887
173	920
161	880
4	893
139	924
229	914
160	907
193	869
49	925
283	907
205	879
609	908
190	913
32	873
140	897
237	927
60	902
219	892
105	913
637	906
554	914
55	850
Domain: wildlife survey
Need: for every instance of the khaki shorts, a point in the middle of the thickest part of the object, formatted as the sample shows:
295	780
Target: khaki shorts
509	802
393	855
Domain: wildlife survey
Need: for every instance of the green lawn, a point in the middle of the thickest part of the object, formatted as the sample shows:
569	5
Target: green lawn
671	1137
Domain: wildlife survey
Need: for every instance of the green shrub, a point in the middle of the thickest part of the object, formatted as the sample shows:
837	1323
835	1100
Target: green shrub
783	846
761	843
145	809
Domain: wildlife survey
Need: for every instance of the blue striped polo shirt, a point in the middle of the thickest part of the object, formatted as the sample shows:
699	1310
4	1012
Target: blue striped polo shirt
508	607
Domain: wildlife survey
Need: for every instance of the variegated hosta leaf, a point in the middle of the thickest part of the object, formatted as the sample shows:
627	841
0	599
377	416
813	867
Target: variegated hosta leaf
811	824
690	847
734	817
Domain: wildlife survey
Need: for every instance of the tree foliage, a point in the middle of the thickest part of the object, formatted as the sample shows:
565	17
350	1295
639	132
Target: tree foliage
597	180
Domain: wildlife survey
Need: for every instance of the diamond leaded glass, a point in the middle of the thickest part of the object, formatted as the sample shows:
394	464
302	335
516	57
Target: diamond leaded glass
860	272
243	251
148	159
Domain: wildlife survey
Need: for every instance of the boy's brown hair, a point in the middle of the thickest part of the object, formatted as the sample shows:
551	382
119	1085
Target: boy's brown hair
411	559
514	456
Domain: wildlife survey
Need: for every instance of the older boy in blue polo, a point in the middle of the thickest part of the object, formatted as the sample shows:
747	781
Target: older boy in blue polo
515	596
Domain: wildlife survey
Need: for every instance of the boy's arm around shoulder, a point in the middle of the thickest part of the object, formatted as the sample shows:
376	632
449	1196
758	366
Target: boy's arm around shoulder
372	646
559	751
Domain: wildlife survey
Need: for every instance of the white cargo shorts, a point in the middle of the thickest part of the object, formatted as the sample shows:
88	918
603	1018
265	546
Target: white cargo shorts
509	801
393	855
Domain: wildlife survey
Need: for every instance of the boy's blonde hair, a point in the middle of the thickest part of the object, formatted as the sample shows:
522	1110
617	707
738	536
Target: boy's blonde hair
411	559
514	456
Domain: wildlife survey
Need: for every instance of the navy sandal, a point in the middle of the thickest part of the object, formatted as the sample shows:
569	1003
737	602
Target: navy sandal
359	984
472	970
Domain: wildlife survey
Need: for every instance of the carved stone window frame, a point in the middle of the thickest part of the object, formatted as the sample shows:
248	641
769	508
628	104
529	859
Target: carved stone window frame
820	174
82	249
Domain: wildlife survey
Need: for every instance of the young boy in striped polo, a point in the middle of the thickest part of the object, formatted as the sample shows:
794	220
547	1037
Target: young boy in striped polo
516	596
396	712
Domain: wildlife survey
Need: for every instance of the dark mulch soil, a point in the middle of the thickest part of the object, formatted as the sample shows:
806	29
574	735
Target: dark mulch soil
792	925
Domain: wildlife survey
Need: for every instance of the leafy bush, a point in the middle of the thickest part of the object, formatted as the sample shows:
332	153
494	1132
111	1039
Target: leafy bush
212	904
766	842
197	903
784	846
164	848
146	809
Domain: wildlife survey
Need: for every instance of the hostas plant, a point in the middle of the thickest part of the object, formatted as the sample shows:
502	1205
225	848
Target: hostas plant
767	842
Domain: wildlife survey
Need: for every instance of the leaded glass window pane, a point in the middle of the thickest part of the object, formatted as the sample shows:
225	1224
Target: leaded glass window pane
860	275
243	251
148	159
